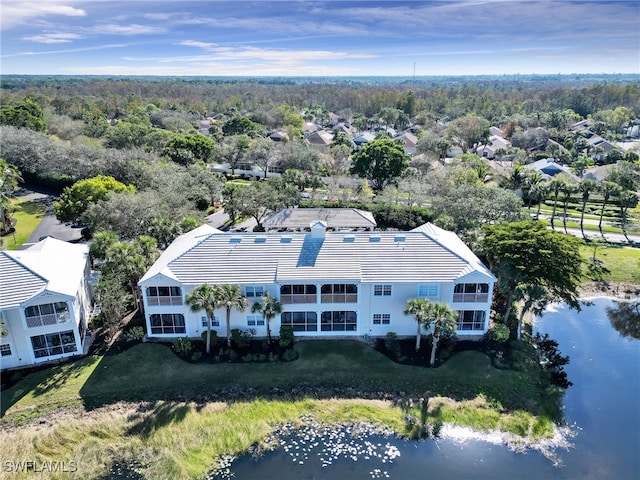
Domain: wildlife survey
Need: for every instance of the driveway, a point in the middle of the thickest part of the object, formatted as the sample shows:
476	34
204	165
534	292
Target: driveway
49	224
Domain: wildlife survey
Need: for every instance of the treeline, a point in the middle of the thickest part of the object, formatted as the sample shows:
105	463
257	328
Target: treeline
494	98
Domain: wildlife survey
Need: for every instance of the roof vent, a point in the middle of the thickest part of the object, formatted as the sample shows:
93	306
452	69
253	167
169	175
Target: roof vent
285	239
235	240
374	239
260	240
349	239
318	229
400	238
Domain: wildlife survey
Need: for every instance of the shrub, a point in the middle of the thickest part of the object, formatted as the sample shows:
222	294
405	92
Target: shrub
182	345
242	338
135	334
498	333
196	356
289	355
392	345
286	337
214	338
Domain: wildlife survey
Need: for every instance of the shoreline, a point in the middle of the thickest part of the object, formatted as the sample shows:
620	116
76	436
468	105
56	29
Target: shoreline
615	291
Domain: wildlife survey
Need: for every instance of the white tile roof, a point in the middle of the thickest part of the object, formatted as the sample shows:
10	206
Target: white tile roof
427	254
51	265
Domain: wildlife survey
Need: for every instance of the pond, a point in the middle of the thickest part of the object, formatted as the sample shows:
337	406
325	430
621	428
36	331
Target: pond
602	409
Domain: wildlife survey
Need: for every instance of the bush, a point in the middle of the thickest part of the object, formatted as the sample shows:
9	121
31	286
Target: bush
214	338
286	337
196	356
289	355
135	334
242	338
498	333
392	345
182	345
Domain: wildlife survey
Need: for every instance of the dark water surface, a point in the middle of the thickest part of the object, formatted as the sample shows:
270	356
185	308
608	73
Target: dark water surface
602	408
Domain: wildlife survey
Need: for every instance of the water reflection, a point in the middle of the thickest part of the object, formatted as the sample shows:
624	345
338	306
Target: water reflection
625	318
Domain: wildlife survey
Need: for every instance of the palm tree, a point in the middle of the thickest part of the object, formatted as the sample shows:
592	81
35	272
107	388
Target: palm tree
586	187
203	297
628	199
417	307
568	187
269	308
532	179
607	190
539	192
555	185
230	297
444	324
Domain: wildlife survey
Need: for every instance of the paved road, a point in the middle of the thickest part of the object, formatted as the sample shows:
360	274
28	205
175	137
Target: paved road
216	220
49	224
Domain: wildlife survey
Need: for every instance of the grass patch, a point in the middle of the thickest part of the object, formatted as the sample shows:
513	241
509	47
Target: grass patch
623	262
28	215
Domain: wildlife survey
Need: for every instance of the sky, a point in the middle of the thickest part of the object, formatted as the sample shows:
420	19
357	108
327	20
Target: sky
319	38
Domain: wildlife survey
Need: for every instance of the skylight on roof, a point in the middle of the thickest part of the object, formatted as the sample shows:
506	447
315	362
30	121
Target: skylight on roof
399	238
374	239
260	240
349	239
285	239
235	240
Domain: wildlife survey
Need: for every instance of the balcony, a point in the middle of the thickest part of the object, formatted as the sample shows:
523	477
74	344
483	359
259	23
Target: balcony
48	319
291	298
470	297
164	301
339	298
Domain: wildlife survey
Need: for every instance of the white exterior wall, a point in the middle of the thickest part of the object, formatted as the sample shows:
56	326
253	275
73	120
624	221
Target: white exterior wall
19	335
366	306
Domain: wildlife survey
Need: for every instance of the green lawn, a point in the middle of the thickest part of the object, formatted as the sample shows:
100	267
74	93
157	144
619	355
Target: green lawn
623	262
28	215
152	371
175	438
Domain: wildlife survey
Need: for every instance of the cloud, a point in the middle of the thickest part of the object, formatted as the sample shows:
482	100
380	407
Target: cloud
66	50
53	38
16	13
133	29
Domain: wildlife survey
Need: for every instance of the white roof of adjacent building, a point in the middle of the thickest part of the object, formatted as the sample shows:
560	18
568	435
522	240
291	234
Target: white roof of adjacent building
336	218
426	254
50	265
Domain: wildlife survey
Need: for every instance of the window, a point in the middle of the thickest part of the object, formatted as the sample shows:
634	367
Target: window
255	321
164	296
382	290
253	292
338	321
298	294
53	344
339	293
167	324
47	314
429	290
300	321
205	321
5	350
471	292
471	320
381	318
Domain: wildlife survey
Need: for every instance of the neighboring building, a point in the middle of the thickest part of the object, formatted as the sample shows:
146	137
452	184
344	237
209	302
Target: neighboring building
330	284
319	139
495	143
409	140
549	168
299	219
45	302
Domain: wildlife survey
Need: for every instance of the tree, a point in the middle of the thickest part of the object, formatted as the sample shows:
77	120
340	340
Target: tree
567	188
234	150
533	264
114	301
76	198
26	114
100	243
259	199
381	161
205	297
230	297
586	187
468	131
443	321
627	200
417	307
607	190
270	307
190	148
241	125
9	178
556	185
262	152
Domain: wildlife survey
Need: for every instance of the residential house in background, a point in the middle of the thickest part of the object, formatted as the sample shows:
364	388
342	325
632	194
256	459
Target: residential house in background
45	302
330	284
